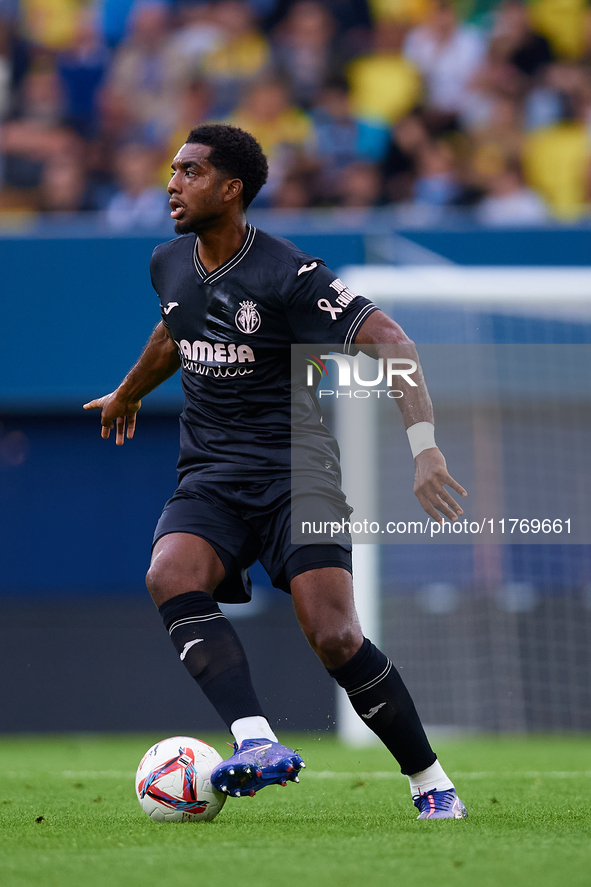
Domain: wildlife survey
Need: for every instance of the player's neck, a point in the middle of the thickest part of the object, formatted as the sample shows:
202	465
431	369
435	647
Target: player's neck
218	244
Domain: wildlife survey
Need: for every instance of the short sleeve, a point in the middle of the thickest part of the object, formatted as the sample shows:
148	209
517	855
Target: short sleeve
155	277
320	307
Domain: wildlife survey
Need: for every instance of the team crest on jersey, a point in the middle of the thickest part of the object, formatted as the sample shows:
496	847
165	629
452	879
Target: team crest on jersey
248	319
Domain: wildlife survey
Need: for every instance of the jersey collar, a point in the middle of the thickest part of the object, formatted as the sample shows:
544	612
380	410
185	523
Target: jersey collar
234	260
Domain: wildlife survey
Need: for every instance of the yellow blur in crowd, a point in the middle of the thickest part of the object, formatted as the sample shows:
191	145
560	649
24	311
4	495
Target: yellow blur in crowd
384	86
51	23
564	23
556	164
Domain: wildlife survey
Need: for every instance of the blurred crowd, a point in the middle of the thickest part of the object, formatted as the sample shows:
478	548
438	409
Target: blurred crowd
418	104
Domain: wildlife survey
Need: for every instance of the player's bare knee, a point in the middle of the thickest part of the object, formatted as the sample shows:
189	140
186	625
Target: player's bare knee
164	581
167	577
160	582
334	646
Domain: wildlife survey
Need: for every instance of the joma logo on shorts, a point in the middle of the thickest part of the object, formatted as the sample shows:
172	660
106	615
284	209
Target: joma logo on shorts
216	352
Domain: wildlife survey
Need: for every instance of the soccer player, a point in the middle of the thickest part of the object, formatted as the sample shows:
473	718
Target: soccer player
233	300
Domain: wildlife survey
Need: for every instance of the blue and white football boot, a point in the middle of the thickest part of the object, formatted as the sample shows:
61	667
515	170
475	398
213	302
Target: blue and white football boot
257	763
440	805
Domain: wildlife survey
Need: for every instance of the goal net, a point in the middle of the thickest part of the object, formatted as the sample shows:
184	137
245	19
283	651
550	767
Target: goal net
490	626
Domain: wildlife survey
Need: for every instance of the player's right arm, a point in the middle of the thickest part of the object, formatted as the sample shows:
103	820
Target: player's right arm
158	361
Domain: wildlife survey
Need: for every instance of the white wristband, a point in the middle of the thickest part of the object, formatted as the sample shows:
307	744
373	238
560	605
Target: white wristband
421	436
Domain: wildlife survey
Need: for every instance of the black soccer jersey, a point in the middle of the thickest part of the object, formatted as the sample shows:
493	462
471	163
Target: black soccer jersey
233	328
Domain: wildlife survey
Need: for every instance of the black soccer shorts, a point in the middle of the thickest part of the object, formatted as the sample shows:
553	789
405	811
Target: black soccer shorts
246	522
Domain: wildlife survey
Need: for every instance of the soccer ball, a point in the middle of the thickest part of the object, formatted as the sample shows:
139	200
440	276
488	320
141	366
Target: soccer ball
173	783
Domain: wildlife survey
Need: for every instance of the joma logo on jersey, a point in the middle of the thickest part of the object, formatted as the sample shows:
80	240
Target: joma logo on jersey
216	352
248	319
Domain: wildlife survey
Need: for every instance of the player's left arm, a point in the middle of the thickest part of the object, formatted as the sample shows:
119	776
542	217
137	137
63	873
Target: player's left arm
382	337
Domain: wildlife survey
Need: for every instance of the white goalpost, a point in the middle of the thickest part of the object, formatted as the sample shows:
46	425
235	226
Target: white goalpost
540	292
359	463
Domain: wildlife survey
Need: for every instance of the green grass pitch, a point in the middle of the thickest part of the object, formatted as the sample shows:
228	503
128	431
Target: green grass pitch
69	818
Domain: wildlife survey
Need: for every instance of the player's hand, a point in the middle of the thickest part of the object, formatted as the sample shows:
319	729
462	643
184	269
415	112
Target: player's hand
116	411
431	478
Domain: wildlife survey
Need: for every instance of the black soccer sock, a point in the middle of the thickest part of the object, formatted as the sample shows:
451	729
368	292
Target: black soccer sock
211	651
379	696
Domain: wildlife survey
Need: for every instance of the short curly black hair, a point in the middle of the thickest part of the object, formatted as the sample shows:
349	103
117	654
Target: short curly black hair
236	153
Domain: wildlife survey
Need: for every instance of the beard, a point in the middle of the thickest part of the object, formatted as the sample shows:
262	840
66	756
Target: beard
197	225
181	227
